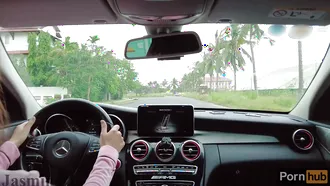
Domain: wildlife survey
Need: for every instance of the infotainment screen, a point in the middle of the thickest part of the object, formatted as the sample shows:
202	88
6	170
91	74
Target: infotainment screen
166	120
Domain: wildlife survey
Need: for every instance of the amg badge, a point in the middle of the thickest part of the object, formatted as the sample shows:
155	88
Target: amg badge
163	177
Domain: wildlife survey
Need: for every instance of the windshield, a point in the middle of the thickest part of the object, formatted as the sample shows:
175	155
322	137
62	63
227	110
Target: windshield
255	67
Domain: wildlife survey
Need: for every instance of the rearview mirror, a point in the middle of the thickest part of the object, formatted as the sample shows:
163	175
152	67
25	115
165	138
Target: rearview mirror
163	46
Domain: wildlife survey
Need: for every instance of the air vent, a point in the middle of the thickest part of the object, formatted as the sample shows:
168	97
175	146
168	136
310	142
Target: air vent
140	150
190	150
303	139
165	151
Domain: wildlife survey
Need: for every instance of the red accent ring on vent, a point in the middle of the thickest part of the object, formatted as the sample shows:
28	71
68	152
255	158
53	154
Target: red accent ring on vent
309	134
198	148
144	155
311	140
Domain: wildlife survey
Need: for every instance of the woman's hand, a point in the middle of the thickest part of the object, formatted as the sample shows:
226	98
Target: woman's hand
112	138
21	132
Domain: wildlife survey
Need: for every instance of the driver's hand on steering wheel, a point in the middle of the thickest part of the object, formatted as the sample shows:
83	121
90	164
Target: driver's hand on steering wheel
21	132
113	138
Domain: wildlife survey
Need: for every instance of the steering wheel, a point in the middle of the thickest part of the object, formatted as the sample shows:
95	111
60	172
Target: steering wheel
65	153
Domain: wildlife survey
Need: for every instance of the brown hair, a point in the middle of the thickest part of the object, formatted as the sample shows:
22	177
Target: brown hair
3	112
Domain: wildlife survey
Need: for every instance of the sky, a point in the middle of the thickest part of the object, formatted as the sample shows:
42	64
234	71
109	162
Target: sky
271	61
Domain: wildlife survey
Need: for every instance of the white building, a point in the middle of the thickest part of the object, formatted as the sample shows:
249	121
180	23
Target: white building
16	39
223	82
42	94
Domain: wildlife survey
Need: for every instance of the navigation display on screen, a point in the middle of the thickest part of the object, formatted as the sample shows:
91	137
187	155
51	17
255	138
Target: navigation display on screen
164	120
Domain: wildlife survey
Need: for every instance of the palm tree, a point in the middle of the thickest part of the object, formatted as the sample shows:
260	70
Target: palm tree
209	66
93	40
217	57
150	84
254	33
231	52
174	84
164	83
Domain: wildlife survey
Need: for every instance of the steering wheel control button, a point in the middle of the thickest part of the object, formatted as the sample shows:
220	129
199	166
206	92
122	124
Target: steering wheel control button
34	144
33	157
34	166
62	148
94	146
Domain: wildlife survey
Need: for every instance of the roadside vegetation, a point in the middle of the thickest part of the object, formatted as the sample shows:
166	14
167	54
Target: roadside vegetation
92	72
272	100
282	100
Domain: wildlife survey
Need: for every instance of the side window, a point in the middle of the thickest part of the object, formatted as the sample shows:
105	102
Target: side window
13	107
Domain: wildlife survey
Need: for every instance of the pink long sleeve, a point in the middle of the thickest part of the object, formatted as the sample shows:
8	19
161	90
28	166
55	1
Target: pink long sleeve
104	167
8	154
101	175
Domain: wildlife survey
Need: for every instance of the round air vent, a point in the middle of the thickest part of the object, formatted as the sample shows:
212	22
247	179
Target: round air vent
190	150
303	139
165	151
140	150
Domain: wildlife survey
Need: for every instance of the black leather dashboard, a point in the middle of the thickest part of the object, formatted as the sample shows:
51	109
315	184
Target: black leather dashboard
240	145
238	148
214	137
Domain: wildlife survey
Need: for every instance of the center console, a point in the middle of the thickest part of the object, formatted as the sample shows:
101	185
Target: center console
167	157
169	161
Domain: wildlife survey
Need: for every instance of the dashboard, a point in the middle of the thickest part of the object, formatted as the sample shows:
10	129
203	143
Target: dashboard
225	146
70	121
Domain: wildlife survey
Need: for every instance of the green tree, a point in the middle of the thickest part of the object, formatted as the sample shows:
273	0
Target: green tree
208	66
164	83
38	63
216	55
88	71
255	34
192	80
231	49
174	84
19	62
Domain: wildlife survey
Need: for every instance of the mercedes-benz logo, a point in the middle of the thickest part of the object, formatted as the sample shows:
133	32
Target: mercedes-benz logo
62	148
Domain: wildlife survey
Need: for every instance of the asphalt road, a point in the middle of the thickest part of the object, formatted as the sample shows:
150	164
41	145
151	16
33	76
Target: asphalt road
172	100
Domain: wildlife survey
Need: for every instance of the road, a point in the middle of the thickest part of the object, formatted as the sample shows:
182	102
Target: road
171	100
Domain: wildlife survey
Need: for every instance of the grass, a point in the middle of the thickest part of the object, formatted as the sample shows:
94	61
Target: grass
271	100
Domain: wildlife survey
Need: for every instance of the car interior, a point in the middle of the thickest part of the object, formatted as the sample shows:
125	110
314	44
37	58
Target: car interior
169	145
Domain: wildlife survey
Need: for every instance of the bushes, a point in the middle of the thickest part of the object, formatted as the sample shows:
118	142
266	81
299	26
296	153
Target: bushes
67	96
50	100
273	100
57	96
117	95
